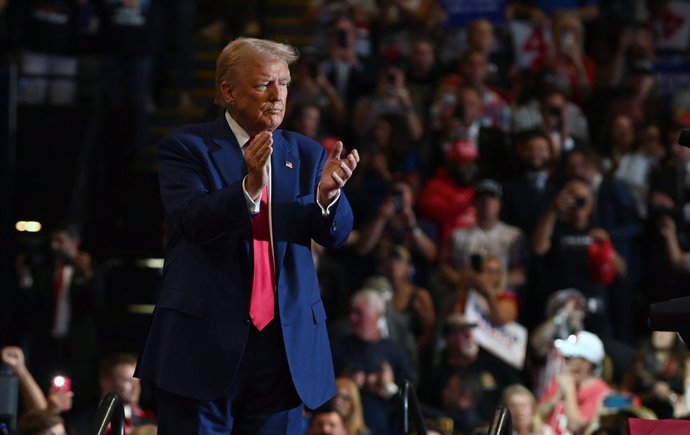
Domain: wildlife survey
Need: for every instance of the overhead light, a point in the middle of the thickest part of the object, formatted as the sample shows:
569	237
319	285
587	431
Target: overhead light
28	226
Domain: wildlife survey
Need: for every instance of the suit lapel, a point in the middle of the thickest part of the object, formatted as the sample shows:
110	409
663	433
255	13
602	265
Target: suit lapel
284	177
226	153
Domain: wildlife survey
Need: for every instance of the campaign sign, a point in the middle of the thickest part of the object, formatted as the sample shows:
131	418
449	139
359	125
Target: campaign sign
531	43
460	13
508	342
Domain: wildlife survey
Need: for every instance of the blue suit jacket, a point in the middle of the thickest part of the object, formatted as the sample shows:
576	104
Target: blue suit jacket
201	322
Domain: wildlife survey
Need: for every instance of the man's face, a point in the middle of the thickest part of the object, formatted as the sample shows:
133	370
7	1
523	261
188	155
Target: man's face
63	245
364	320
422	58
256	100
462	343
537	153
327	423
475	68
488	207
123	382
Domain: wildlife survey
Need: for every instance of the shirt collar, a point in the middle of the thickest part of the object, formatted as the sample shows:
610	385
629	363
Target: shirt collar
240	134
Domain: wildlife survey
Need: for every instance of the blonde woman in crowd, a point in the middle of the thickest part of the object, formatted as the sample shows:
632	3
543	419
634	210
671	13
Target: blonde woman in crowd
523	410
347	402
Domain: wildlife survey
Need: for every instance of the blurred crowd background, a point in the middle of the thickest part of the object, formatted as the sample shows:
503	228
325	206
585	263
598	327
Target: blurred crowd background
521	198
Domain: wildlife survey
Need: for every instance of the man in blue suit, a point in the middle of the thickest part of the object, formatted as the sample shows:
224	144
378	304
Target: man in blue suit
238	342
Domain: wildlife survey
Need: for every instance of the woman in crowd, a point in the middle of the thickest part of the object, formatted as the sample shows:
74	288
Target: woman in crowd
348	404
523	410
571	402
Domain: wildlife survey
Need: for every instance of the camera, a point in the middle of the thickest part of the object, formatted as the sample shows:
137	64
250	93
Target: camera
580	202
555	111
397	199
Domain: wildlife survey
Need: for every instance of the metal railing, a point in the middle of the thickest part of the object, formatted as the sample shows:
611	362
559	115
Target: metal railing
110	410
411	411
501	424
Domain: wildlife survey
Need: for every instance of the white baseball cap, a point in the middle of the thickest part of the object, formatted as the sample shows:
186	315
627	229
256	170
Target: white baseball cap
584	344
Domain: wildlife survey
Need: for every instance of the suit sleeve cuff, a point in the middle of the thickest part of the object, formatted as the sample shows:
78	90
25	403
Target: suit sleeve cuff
252	206
326	211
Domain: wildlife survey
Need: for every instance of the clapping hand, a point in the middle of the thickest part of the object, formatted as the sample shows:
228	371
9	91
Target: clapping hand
336	172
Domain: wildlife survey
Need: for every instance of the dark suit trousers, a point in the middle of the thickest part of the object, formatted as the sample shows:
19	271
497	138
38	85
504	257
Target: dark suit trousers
261	400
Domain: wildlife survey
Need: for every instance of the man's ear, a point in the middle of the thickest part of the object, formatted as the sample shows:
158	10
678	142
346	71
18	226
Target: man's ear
226	92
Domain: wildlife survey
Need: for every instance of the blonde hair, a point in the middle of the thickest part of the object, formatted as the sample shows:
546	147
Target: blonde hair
516	389
238	52
354	423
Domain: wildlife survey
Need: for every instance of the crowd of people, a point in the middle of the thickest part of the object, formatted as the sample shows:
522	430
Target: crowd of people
521	199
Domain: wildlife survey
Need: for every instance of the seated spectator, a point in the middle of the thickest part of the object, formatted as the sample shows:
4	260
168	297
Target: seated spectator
523	411
374	363
576	394
463	355
327	421
659	376
348	404
116	374
40	422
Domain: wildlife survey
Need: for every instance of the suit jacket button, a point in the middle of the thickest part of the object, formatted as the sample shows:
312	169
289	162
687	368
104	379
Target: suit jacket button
333	227
247	321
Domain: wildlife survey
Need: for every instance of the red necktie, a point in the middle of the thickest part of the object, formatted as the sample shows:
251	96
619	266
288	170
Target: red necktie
262	303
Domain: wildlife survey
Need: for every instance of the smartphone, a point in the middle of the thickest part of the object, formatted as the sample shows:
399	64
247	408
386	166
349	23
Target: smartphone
476	262
61	383
397	199
342	38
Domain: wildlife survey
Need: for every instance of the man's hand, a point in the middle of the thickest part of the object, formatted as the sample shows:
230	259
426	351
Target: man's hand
60	401
13	357
257	154
336	172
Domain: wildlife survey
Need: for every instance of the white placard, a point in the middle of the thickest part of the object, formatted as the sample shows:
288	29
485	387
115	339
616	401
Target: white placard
508	342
